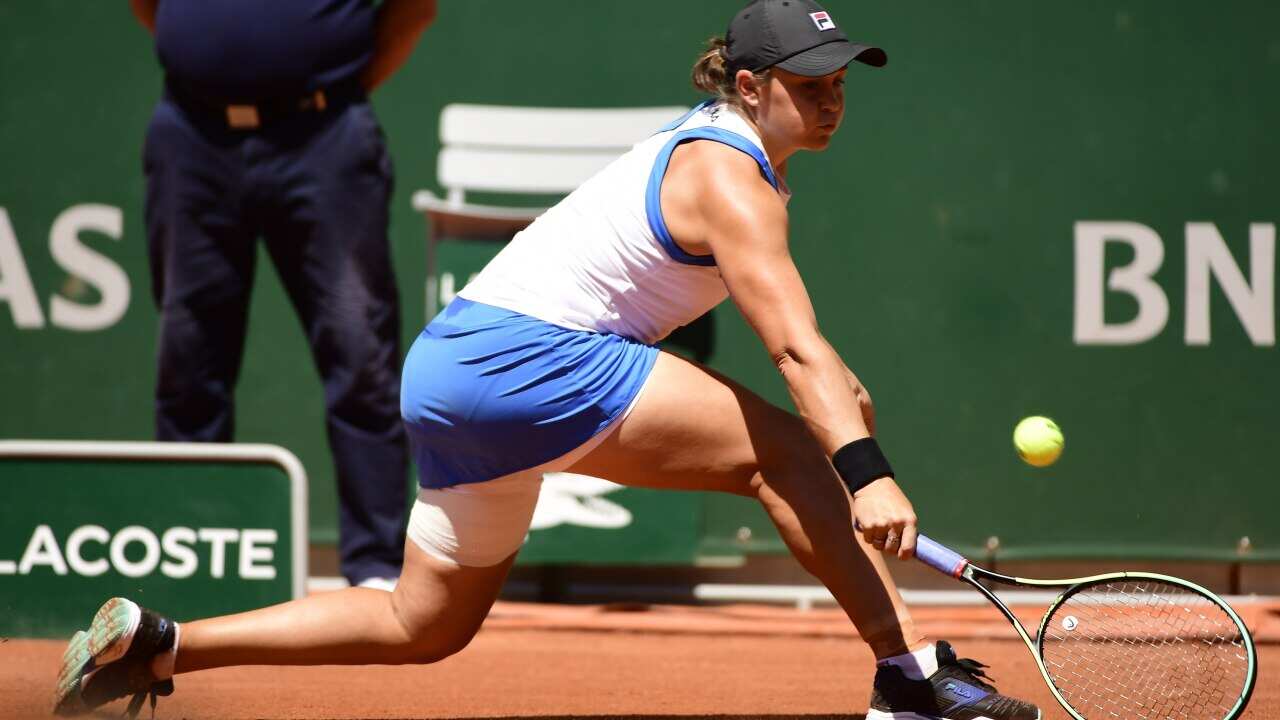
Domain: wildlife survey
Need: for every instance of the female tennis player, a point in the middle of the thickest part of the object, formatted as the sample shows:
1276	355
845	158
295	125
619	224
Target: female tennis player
546	361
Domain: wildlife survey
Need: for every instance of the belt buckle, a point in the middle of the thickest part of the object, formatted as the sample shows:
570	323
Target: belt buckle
243	117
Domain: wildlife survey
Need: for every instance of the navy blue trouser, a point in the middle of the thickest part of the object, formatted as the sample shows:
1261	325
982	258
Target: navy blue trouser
315	187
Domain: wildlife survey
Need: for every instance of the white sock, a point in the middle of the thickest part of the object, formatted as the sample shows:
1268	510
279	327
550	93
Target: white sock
162	664
916	665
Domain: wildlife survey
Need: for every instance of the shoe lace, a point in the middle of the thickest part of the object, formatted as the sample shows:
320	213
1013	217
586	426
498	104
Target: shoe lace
975	670
135	704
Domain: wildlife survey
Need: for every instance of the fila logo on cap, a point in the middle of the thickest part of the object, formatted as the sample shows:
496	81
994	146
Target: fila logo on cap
823	20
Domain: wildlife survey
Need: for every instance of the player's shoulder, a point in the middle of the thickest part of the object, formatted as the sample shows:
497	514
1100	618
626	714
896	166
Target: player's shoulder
711	150
718	166
724	186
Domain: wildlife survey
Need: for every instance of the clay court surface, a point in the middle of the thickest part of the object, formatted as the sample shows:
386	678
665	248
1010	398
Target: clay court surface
657	662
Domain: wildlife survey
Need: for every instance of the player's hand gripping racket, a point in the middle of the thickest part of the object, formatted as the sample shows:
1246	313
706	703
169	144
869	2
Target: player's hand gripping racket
1128	645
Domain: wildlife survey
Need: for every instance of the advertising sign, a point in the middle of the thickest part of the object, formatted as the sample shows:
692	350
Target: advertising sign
189	529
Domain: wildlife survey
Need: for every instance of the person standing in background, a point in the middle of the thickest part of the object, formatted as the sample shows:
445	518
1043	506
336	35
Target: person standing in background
265	130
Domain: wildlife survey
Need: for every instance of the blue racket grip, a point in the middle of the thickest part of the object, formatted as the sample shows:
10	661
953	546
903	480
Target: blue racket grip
935	555
940	557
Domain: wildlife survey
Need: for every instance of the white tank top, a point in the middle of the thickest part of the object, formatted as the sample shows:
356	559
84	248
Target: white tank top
602	259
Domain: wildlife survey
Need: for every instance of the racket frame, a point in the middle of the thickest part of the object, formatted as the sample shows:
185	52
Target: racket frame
949	562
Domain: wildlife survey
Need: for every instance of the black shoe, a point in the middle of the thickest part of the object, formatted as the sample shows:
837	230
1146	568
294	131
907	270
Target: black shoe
956	691
113	659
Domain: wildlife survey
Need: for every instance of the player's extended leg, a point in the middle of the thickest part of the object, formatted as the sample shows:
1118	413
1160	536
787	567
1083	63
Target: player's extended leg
434	612
694	429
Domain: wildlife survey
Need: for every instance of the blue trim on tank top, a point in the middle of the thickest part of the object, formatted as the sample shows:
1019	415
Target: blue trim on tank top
653	192
681	120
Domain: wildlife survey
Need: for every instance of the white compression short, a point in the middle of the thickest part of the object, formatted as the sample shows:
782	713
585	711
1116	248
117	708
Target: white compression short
477	524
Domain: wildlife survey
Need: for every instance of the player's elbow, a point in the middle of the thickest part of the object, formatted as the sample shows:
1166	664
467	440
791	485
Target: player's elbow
799	351
796	366
785	360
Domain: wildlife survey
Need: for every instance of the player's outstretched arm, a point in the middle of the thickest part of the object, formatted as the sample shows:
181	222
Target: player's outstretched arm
715	199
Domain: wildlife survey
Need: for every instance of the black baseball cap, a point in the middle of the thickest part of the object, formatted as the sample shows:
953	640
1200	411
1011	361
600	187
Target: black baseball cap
795	35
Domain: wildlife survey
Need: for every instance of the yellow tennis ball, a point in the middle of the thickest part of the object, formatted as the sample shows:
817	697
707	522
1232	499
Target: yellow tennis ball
1038	440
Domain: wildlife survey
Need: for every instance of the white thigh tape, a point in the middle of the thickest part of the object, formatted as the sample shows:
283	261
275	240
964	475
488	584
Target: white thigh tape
477	525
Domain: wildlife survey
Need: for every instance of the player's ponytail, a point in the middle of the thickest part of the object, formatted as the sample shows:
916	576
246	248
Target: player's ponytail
711	73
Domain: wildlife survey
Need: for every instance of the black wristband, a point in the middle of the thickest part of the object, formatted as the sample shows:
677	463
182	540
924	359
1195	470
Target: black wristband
860	463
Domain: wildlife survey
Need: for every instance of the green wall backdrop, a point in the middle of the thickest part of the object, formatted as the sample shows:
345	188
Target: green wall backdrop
937	237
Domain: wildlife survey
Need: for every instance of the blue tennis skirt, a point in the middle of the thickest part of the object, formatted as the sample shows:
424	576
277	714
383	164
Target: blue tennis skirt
487	392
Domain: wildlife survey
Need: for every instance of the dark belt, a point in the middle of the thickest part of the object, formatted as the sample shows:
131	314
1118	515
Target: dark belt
255	114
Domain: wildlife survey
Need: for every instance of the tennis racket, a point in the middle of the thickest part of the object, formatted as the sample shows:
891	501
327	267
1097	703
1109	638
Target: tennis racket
1128	645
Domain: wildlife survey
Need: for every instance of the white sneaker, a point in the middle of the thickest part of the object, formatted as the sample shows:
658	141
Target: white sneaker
380	583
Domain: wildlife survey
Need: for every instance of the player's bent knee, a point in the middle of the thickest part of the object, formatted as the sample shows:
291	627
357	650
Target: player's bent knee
449	642
432	636
787	453
800	460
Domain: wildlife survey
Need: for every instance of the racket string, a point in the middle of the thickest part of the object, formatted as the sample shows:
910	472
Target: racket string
1146	650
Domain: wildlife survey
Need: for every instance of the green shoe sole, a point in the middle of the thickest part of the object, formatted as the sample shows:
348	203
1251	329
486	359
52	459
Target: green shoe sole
106	641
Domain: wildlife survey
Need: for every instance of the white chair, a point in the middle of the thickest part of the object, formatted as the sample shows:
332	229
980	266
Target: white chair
519	150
